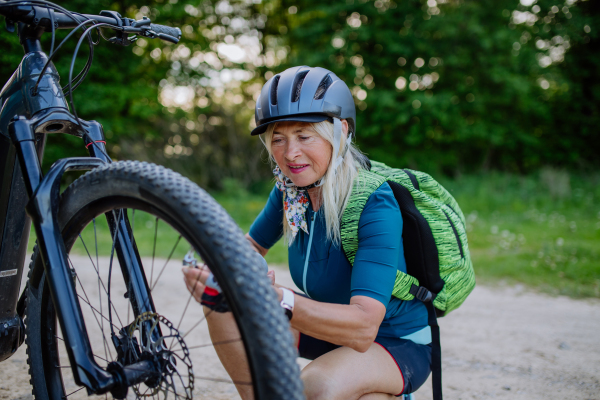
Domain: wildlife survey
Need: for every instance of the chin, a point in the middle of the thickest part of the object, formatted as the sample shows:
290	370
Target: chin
302	182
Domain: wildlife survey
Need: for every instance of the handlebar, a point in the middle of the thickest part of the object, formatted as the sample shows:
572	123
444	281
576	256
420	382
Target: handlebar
39	15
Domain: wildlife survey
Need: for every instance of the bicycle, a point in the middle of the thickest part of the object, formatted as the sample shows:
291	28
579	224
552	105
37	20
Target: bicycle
98	243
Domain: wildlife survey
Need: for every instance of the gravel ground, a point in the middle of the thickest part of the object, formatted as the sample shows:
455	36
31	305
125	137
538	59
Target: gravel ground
503	343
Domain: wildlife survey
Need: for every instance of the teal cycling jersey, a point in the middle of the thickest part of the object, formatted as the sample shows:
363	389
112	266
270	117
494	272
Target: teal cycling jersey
321	269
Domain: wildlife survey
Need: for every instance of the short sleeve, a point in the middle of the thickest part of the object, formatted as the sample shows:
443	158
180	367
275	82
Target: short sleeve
267	228
380	251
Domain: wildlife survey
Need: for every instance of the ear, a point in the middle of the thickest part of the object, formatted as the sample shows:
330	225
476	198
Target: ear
345	127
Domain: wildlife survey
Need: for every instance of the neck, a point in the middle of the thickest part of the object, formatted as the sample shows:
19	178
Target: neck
315	197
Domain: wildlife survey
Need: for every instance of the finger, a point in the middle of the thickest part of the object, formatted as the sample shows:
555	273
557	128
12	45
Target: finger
271	275
196	289
193	282
194	274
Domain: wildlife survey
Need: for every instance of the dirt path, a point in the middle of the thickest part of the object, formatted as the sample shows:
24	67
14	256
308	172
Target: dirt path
503	343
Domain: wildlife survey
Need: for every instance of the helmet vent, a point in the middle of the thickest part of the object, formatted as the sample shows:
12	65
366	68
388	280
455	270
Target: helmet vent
298	85
323	86
274	89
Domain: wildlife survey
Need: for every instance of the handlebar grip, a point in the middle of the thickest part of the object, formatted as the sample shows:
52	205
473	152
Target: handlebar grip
167	30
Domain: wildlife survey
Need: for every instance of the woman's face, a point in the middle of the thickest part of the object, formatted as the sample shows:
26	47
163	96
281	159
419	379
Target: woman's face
301	153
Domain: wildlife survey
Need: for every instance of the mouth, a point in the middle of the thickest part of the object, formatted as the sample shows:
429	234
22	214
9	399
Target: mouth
297	168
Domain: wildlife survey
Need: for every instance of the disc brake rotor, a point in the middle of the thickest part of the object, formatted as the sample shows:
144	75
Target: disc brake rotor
153	337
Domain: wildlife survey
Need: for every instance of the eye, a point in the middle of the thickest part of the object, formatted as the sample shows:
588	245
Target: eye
303	137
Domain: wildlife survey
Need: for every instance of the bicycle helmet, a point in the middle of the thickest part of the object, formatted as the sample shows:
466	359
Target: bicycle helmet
306	94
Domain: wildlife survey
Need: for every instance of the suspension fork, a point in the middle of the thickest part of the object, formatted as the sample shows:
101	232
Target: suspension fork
42	207
44	193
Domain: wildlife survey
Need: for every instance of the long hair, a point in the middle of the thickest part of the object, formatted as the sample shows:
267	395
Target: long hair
336	184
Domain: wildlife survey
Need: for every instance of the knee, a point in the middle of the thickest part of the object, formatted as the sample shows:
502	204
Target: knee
319	384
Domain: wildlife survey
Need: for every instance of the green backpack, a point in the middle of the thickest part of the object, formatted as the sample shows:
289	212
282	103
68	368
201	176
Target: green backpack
437	255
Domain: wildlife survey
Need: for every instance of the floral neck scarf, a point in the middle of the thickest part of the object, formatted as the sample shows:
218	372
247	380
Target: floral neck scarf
295	202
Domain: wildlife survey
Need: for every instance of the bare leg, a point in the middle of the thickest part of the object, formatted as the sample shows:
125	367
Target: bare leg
344	374
228	344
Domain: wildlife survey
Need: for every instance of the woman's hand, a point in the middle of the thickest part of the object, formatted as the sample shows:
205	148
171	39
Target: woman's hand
195	279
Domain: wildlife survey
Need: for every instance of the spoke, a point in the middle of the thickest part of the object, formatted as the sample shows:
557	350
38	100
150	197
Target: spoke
189	298
206	378
96	268
166	389
196	324
187	305
87	301
81	388
103	359
212	344
166	262
201	320
96	310
154	249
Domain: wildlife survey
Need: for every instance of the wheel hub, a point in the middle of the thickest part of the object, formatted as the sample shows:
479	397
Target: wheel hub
153	338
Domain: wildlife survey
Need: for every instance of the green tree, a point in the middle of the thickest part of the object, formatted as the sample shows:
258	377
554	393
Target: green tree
457	85
187	105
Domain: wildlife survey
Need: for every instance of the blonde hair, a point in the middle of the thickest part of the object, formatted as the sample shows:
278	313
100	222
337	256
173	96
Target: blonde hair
336	185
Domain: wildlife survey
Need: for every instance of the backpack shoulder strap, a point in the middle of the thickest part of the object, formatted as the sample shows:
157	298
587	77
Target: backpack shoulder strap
365	184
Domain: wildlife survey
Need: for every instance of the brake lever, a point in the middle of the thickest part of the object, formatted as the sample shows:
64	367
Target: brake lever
167	38
10	26
142	22
124	25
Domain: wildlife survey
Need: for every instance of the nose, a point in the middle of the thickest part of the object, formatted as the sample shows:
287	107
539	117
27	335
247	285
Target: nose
292	150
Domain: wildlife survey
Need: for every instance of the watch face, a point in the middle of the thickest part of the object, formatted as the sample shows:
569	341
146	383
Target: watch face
288	313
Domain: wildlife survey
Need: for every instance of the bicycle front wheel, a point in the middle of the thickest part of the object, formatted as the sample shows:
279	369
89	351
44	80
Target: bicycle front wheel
167	216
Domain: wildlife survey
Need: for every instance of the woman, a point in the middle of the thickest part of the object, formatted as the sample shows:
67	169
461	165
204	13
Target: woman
365	343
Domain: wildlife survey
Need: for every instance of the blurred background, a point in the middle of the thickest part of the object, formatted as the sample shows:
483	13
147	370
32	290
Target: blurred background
498	100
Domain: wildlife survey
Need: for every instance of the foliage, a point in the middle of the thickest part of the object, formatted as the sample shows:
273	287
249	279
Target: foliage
497	84
460	85
184	106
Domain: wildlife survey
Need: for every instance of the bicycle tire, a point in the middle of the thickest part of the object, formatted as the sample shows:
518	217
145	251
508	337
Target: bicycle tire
199	219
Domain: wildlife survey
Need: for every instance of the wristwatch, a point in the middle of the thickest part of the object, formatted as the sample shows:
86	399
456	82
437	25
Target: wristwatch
287	302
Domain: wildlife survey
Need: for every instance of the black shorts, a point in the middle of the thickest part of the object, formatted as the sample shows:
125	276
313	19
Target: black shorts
413	360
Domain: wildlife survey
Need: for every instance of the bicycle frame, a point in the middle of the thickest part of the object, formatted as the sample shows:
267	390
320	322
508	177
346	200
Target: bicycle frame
25	120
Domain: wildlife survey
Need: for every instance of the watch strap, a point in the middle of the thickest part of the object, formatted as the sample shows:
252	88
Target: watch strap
287	302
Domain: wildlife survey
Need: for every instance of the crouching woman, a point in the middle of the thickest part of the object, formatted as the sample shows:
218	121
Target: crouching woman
365	344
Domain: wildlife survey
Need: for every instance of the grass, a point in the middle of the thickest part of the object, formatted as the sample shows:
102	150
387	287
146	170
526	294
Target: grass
540	230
